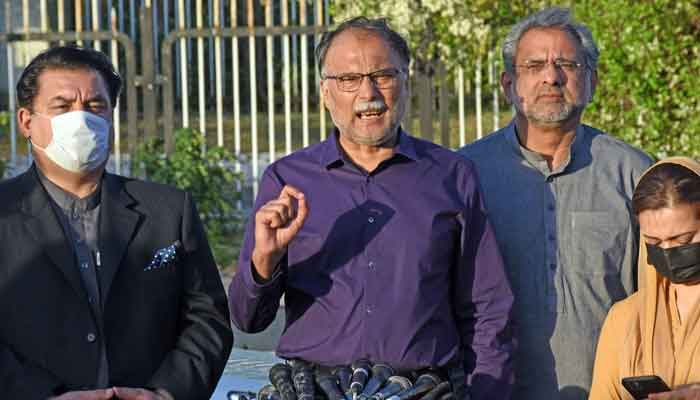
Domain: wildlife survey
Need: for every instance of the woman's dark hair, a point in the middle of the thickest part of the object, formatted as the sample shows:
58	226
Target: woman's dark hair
66	57
666	185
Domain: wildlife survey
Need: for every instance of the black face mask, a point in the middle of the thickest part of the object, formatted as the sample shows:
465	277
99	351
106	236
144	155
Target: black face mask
680	264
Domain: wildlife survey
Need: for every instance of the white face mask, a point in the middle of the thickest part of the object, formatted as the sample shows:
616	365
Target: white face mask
80	141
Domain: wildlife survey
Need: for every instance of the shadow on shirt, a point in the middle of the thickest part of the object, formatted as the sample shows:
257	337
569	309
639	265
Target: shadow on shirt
309	277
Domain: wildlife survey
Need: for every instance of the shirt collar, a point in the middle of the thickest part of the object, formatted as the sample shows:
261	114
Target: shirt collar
67	201
535	158
331	155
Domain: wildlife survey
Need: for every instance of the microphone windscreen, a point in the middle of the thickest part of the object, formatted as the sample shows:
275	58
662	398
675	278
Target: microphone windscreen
281	378
380	373
394	384
344	375
438	391
328	383
303	378
360	374
424	384
268	392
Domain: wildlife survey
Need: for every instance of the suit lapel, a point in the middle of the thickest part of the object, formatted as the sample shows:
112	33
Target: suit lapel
44	226
118	223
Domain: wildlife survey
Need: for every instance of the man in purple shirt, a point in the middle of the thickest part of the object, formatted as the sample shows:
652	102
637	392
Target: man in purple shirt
378	240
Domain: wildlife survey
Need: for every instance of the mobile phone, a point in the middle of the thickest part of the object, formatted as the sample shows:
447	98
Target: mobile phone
640	387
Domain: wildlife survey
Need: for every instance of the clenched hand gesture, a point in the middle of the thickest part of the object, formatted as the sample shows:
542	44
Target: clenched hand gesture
276	224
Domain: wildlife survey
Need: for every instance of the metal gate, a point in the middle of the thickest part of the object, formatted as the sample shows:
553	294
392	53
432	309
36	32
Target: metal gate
256	94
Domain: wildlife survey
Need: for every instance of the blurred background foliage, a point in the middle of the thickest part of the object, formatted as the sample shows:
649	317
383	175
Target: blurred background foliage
649	69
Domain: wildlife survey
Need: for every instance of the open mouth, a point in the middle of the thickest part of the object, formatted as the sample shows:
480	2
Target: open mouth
370	114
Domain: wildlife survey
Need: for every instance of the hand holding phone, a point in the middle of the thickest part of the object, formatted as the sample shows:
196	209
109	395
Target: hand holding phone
640	387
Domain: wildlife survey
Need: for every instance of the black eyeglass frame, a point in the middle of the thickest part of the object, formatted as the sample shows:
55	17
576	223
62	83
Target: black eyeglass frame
537	66
373	76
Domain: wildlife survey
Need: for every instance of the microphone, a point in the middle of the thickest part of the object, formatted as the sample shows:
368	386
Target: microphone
380	373
344	375
394	384
268	392
424	384
303	377
360	373
328	383
281	378
438	391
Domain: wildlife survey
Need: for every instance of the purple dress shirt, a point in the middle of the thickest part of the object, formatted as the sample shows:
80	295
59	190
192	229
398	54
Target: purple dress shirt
399	265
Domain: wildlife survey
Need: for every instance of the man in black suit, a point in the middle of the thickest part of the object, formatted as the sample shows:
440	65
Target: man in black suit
108	288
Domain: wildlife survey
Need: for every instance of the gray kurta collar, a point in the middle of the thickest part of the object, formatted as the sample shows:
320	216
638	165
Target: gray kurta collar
535	159
67	201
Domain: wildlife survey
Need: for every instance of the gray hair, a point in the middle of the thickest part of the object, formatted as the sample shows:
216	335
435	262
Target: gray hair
378	26
554	17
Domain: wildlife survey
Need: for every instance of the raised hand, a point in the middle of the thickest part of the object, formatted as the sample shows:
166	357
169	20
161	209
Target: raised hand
276	224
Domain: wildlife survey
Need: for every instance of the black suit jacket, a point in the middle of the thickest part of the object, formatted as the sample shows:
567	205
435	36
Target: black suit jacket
163	328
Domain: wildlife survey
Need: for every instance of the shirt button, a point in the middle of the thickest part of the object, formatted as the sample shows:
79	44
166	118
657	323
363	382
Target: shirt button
550	207
91	337
84	265
552	266
370	220
551	238
371	265
369	310
91	300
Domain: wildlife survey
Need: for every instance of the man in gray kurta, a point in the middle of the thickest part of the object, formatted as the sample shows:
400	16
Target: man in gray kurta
558	194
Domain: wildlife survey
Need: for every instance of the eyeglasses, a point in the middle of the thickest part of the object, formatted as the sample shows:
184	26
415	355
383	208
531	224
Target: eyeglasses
382	79
535	67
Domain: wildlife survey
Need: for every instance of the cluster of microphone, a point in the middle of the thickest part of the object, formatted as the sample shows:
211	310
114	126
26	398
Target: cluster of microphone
300	380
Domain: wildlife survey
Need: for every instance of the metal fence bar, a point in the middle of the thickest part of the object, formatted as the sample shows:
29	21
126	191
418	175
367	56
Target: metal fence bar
188	23
11	87
460	106
86	16
132	19
304	77
443	111
61	20
496	106
153	5
200	72
25	15
295	53
219	91
96	23
79	19
185	97
166	55
236	89
286	78
210	49
120	15
253	100
44	13
477	99
115	117
321	109
270	85
148	73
